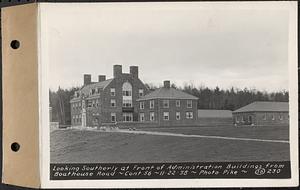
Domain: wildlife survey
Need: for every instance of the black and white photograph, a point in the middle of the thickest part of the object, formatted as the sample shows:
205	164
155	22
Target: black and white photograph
198	88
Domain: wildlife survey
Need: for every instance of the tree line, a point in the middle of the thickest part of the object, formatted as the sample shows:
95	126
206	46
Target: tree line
209	98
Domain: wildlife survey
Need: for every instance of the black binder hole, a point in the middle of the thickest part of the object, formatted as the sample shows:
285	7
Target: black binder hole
15	44
15	147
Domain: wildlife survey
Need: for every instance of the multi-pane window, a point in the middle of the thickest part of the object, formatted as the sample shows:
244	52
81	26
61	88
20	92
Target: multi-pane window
142	117
280	117
127	103
151	104
93	103
177	115
113	103
141	92
127	117
189	115
112	91
177	103
142	105
189	104
97	103
113	117
126	93
152	118
273	116
166	103
166	115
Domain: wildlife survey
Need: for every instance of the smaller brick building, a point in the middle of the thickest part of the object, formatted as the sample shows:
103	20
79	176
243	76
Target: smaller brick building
262	113
168	106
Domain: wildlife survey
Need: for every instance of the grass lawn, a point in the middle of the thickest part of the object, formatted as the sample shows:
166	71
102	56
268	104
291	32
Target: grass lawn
70	146
264	132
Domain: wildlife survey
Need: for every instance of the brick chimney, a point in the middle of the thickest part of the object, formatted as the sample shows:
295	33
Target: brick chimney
166	84
117	71
87	79
101	78
134	71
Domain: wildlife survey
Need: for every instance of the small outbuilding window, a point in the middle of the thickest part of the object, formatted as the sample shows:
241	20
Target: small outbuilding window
273	116
265	116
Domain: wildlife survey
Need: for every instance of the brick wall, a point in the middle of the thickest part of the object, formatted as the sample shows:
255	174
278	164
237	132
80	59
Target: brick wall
159	110
262	118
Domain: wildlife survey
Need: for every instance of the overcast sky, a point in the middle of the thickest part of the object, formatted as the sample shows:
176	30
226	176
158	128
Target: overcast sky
184	44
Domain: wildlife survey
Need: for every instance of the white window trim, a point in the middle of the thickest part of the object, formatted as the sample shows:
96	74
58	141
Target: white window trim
178	114
111	102
265	116
128	115
177	105
112	91
142	105
187	104
151	117
151	105
273	117
280	117
166	114
111	116
142	115
189	115
141	91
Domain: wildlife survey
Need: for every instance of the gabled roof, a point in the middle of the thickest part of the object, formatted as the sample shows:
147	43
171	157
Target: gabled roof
86	89
264	107
168	93
214	113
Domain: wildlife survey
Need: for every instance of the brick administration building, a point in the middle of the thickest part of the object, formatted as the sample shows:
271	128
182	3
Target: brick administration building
125	99
168	107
